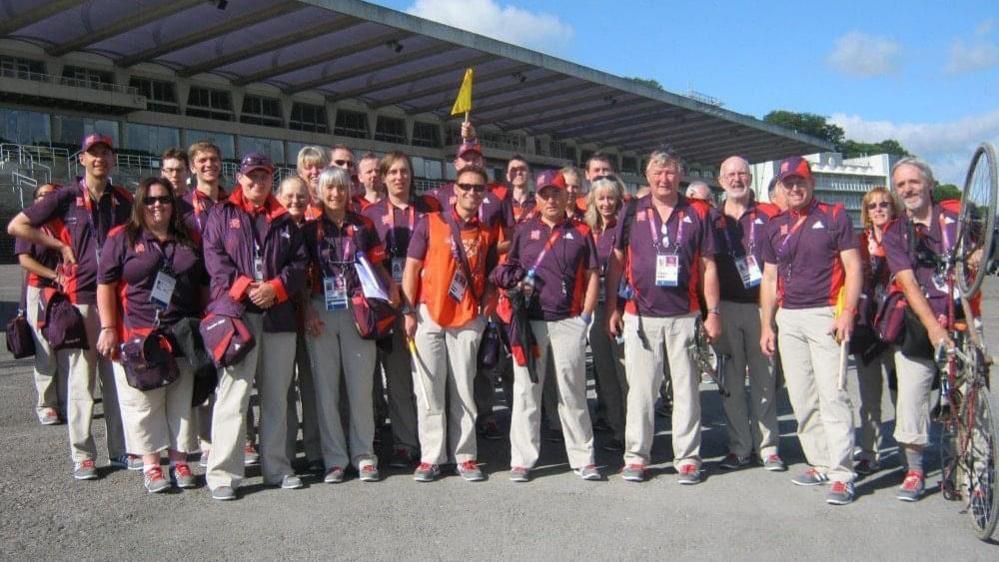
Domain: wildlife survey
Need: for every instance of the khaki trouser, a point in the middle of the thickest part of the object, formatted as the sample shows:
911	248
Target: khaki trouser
340	352
445	369
157	419
271	362
50	381
752	424
608	367
825	416
303	390
84	367
912	411
870	383
565	341
399	385
661	340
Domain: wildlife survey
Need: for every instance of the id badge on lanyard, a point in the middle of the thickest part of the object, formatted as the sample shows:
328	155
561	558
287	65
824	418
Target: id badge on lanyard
749	270
163	287
258	264
459	284
667	270
398	266
335	291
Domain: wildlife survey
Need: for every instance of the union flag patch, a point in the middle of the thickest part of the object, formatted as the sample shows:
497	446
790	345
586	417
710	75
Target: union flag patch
234	223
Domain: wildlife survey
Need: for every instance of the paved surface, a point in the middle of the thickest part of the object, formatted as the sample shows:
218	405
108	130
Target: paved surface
749	514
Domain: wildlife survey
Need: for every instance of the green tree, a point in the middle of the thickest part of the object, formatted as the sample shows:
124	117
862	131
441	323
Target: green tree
649	82
946	191
853	149
807	123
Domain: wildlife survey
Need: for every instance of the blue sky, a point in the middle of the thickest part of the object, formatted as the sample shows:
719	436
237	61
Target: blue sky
925	73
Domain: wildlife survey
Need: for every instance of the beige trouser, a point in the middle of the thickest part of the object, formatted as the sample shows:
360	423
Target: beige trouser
912	411
157	419
84	367
661	340
203	423
752	424
445	369
50	381
565	341
399	382
271	362
340	352
303	390
870	383
608	366
810	356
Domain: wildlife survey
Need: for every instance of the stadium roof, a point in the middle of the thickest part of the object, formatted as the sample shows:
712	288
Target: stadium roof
353	49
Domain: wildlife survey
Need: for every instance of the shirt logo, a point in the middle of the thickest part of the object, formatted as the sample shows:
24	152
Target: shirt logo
140	247
79	202
948	220
285	234
640	217
758	221
818	225
568	236
687	220
485	201
535	235
783	230
234	223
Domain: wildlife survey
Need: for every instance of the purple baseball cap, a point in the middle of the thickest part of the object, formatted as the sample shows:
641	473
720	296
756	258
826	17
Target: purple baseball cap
469	146
550	178
96	138
794	166
255	161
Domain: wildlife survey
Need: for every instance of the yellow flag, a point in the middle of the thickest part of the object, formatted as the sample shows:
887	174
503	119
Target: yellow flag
463	103
840	301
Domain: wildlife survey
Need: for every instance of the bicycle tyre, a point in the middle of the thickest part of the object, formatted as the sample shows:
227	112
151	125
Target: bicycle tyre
974	230
980	465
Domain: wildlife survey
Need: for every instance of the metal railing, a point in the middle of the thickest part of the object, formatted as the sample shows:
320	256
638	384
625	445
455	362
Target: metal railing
21	181
68	81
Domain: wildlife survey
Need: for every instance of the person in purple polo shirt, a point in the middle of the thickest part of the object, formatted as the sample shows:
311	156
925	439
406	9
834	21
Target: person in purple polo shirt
913	245
553	262
79	217
810	254
752	419
256	260
668	250
469	154
206	165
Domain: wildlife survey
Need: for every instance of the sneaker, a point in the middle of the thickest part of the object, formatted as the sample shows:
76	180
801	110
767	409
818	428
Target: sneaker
490	430
130	462
588	472
291	482
733	461
633	473
470	471
182	476
250	455
810	477
224	493
49	416
866	467
690	474
203	461
85	470
333	475
426	472
614	445
154	480
841	493
774	463
401	458
913	487
369	473
520	474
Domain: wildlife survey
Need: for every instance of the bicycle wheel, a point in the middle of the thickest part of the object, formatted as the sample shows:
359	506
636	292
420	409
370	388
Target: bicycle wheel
977	221
981	456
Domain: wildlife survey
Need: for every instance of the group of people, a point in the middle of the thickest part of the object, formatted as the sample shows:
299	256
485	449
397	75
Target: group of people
548	263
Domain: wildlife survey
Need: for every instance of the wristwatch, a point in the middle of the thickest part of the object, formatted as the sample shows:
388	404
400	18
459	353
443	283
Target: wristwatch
714	310
407	310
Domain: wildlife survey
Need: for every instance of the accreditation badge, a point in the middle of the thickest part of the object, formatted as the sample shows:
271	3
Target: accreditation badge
459	284
667	270
163	287
749	271
335	292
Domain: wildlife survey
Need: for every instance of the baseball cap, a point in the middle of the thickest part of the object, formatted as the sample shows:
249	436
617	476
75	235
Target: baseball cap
469	146
96	138
794	166
550	178
255	161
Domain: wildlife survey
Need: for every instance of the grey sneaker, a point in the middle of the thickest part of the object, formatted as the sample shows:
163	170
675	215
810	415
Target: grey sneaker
588	472
182	476
291	482
520	474
154	480
250	455
369	473
633	473
333	475
85	470
49	416
470	471
841	493
131	462
733	461
426	472
774	463
913	487
690	474
810	477
224	493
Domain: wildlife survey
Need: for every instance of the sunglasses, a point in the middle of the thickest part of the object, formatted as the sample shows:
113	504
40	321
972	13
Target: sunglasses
476	187
880	205
162	200
342	163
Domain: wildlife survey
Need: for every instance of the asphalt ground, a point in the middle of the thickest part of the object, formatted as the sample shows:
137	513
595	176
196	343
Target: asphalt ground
749	514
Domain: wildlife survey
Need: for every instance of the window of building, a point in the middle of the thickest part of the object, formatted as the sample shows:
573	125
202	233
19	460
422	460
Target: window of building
87	77
308	117
225	142
150	139
24	69
351	124
160	95
274	149
258	110
629	164
390	129
426	134
25	127
210	104
69	130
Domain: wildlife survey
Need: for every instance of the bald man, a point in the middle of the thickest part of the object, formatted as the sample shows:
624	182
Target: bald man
700	190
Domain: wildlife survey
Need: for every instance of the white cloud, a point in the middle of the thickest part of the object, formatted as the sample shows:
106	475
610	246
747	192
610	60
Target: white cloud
862	55
985	27
524	28
972	57
946	146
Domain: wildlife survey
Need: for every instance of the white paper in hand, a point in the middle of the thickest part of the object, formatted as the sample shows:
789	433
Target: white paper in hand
371	283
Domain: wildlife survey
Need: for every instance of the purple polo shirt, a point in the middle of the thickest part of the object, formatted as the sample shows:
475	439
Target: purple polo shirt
76	219
491	210
737	238
395	226
515	213
332	249
931	242
560	275
45	256
135	265
194	207
805	246
689	237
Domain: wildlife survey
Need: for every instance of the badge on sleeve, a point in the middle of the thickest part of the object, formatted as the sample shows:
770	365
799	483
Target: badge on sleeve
458	286
667	270
162	292
749	271
335	292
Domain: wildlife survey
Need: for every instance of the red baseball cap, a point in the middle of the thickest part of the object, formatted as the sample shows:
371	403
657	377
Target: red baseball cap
469	146
794	166
550	178
96	138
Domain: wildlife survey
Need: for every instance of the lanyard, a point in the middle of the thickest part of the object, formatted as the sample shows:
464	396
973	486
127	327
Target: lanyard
166	263
555	235
347	231
89	205
390	217
797	225
653	216
752	235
